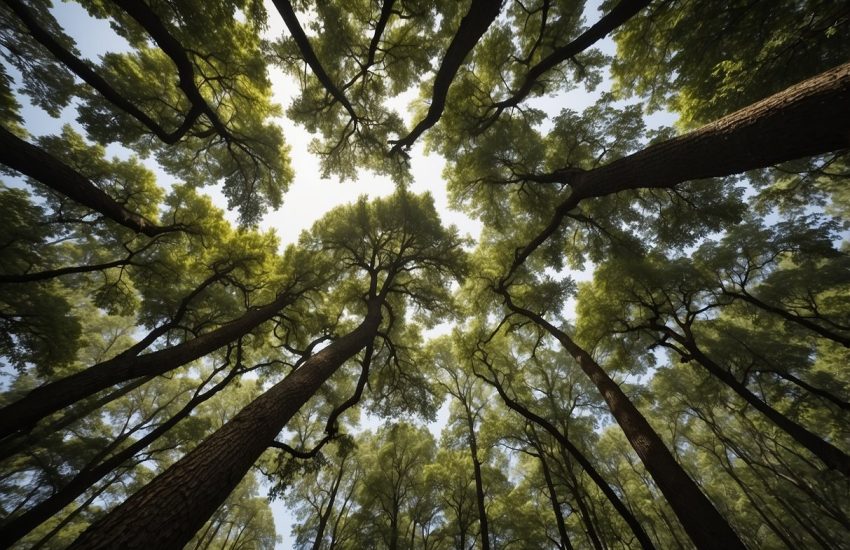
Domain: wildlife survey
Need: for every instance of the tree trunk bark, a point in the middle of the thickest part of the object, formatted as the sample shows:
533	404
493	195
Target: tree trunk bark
36	163
700	519
170	509
54	396
809	118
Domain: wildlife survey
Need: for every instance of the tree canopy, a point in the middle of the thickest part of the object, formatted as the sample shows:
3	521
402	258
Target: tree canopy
646	345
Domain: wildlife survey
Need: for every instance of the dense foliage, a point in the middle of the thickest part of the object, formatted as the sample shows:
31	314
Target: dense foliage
647	345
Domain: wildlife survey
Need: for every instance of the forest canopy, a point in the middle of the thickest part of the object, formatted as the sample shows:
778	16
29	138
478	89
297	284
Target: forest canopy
645	347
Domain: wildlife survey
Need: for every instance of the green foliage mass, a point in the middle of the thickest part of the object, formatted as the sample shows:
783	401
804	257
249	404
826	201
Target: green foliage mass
478	415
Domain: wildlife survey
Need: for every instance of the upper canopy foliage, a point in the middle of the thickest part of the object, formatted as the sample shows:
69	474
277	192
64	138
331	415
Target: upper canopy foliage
645	347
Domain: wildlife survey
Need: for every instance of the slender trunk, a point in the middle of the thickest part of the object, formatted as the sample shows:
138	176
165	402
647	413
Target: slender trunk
170	509
394	530
584	462
87	75
730	471
474	24
11	445
67	519
38	164
788	316
701	520
479	482
325	516
556	506
92	473
840	403
585	514
833	457
290	19
619	14
23	414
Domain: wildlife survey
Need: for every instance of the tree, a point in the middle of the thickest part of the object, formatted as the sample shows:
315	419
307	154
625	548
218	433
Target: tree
647	345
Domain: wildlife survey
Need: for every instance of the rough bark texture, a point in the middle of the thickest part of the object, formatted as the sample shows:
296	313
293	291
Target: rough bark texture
700	519
40	165
42	401
168	511
809	118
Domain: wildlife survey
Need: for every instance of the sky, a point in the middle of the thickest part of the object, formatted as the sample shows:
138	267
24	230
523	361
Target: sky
309	197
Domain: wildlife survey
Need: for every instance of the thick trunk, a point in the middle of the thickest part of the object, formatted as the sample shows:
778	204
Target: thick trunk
809	118
701	520
170	509
833	457
479	483
55	174
49	398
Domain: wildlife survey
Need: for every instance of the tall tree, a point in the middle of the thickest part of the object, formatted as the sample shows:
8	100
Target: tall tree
407	254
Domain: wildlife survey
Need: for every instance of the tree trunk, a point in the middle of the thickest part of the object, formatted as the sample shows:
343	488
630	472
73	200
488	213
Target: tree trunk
11	445
833	457
809	118
813	390
584	512
474	24
49	398
479	482
701	520
85	73
584	462
38	164
790	317
556	506
93	472
325	516
170	509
